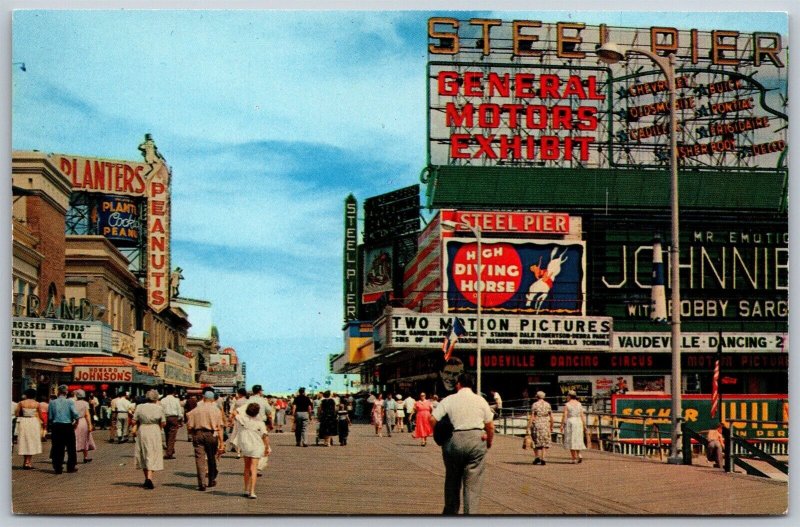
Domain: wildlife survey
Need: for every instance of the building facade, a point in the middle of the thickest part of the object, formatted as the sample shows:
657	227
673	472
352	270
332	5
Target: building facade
561	164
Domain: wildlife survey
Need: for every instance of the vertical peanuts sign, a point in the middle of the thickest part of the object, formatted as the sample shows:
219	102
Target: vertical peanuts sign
121	185
158	224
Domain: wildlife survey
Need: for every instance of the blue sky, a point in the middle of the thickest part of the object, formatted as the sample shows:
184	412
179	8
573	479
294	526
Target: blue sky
269	119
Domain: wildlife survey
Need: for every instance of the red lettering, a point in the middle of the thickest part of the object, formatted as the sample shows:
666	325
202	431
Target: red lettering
87	175
157	227
158	243
587	117
157	298
158	261
574	88
548	86
562	117
158	207
448	83
157	188
472	84
459	143
139	180
453	116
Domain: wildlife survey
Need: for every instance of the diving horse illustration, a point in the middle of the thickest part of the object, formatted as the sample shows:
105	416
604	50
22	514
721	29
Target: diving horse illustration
540	289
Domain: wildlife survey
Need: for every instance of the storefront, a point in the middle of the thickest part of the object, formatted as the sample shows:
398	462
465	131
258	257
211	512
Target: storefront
178	370
111	375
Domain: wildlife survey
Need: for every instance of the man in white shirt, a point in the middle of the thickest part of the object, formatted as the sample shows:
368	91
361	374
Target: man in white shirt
174	412
408	405
121	406
464	454
497	406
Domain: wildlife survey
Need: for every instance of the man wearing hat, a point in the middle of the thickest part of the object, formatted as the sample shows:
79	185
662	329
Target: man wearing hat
63	415
204	423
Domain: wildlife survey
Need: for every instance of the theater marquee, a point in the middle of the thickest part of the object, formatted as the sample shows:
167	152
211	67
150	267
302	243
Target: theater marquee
408	329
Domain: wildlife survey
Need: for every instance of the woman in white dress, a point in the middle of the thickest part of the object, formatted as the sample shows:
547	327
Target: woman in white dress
572	426
148	420
253	442
84	439
29	429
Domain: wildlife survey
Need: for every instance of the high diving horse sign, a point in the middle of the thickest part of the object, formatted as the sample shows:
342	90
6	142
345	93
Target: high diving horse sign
538	277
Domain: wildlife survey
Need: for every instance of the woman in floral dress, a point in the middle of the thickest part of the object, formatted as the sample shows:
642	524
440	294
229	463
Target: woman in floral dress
540	427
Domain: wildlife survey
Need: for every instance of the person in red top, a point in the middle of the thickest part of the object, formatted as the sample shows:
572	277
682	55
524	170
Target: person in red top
422	409
280	414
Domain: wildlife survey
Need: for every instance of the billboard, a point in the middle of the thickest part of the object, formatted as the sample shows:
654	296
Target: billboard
378	266
754	408
118	220
531	93
542	277
732	269
391	215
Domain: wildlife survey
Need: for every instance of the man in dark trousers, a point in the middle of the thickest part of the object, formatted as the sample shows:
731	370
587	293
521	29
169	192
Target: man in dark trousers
303	411
62	415
205	425
174	413
464	454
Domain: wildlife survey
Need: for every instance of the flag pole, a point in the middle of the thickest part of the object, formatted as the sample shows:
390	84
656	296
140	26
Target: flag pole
719	383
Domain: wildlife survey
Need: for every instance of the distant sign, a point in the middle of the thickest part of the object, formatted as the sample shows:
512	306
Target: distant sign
350	258
697	414
391	215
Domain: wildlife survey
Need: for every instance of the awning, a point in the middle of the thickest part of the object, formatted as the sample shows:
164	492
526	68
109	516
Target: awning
111	369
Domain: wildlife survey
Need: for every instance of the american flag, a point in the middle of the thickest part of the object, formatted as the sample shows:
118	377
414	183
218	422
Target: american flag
456	330
715	380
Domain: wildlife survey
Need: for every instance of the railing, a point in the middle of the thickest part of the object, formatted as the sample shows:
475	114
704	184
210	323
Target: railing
737	450
614	433
602	429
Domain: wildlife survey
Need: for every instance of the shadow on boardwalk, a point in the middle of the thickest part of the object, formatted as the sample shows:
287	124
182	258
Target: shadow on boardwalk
365	477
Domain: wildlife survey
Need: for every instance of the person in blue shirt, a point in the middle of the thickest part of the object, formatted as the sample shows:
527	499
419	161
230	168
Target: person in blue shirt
62	415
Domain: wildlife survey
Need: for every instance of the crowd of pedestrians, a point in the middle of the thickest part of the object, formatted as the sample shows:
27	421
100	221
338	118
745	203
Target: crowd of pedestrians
241	423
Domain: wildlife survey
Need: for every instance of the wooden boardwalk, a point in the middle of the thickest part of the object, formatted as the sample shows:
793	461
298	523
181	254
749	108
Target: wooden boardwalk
369	475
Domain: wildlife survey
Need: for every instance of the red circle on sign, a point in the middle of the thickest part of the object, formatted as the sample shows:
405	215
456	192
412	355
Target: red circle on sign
501	272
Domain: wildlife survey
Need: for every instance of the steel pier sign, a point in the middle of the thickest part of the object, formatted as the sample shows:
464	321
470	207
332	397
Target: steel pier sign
531	93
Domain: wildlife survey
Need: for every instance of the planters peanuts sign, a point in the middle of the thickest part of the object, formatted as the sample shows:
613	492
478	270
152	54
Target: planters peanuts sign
118	220
540	278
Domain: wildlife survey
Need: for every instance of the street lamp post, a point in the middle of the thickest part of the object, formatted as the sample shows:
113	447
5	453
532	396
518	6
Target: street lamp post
451	225
610	53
